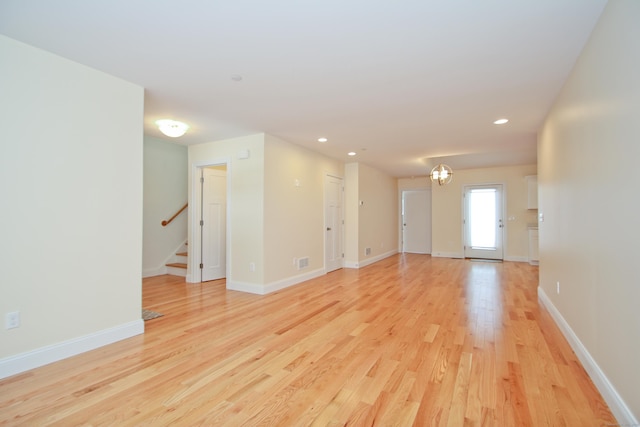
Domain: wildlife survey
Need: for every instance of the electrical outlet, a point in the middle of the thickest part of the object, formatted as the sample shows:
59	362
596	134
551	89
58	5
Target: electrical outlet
12	320
252	266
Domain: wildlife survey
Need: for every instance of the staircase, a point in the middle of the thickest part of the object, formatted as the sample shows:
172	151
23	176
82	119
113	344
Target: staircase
177	266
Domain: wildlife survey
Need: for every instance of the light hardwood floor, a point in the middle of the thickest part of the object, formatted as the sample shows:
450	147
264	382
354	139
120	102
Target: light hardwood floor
410	340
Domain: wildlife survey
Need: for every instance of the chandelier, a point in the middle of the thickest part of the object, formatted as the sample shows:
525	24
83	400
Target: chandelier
442	174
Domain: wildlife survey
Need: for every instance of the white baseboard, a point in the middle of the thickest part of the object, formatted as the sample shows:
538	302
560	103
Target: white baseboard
151	272
258	289
618	407
52	353
351	264
369	261
377	258
456	255
516	258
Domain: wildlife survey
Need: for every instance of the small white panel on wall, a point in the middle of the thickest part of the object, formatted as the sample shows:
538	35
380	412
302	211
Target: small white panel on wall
243	154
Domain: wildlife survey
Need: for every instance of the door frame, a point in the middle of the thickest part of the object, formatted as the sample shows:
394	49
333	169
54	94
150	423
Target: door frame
193	231
503	209
341	236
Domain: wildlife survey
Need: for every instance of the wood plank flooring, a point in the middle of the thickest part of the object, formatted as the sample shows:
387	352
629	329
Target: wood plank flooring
410	340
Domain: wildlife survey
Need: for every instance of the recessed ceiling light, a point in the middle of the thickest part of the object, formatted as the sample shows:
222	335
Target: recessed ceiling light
322	139
500	121
351	153
236	78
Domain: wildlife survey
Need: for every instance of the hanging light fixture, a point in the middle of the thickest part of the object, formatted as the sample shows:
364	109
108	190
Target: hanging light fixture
172	128
442	174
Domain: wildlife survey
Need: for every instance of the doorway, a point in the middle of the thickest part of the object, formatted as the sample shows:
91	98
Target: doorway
483	224
213	222
416	221
208	242
334	223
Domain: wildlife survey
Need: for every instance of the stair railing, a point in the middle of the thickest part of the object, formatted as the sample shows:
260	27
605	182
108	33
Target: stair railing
168	221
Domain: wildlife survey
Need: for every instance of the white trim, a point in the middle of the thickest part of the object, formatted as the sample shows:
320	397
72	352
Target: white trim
52	353
255	288
369	261
151	272
351	264
456	255
377	258
516	258
193	258
620	410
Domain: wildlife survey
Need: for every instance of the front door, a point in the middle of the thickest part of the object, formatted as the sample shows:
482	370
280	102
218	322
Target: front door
483	225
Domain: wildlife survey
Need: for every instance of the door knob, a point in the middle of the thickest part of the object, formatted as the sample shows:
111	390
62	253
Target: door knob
328	228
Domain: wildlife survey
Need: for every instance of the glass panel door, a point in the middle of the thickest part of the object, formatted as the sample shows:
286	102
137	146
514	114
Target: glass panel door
483	229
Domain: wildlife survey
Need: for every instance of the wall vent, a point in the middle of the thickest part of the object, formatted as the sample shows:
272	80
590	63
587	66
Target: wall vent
303	263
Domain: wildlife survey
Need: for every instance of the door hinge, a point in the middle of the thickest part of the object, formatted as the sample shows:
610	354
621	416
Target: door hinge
201	179
201	266
201	223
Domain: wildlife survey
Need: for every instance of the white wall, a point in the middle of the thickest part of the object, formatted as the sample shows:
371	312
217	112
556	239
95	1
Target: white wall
352	215
374	208
271	220
588	192
71	191
245	208
447	210
294	209
165	192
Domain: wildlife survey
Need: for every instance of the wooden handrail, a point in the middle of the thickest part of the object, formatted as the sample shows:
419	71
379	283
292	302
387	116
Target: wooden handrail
165	223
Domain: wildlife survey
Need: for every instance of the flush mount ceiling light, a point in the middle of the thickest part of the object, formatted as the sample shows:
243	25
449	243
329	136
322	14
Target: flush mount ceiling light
172	128
351	153
323	139
500	121
442	174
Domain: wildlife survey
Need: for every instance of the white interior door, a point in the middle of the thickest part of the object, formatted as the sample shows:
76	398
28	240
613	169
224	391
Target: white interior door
483	225
416	221
334	224
213	223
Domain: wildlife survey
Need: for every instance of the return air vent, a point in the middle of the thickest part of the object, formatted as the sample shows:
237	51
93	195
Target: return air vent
303	263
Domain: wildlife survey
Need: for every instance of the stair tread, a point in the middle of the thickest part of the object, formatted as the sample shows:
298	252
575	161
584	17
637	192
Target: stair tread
177	265
182	253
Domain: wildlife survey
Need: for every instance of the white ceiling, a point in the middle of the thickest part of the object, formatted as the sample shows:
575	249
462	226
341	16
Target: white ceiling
401	82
